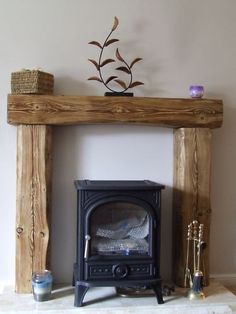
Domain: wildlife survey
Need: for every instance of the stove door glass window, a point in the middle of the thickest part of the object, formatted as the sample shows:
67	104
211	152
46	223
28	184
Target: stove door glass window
120	228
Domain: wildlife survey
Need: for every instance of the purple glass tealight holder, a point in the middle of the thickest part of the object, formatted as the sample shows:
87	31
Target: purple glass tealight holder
196	91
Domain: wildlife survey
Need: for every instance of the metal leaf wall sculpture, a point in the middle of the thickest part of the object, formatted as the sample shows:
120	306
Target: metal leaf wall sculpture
125	68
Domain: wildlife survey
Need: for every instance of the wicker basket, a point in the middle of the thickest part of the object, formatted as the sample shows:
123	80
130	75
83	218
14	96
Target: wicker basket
32	82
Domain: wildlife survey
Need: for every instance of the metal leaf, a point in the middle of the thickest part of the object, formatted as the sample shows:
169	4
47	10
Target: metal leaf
121	83
124	69
110	79
94	78
96	43
95	63
115	23
111	41
136	83
118	56
134	61
106	62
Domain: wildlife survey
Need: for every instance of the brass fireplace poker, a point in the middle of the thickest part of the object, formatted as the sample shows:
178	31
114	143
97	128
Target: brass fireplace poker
194	280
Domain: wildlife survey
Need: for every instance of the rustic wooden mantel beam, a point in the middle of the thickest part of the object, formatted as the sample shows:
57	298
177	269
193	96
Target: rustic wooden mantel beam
192	120
71	110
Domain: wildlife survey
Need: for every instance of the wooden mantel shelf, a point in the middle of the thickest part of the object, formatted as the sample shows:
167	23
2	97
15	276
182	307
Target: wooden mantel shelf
35	115
71	110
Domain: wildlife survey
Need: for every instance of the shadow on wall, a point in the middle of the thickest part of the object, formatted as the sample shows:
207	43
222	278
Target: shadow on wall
223	191
166	233
70	86
63	228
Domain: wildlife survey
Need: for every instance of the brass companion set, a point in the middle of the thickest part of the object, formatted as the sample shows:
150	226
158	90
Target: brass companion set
194	261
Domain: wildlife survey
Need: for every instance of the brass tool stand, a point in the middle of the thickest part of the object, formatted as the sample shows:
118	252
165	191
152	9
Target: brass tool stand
195	280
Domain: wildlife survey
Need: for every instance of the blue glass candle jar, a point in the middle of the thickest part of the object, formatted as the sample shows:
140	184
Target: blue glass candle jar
42	285
196	91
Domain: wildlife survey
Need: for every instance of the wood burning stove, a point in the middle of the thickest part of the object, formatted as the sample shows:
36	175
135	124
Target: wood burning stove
118	235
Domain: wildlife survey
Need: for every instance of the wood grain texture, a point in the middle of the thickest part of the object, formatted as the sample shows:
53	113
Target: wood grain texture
70	110
24	210
42	137
191	193
33	202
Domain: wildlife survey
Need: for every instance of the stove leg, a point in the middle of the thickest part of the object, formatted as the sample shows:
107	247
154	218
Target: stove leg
158	292
80	291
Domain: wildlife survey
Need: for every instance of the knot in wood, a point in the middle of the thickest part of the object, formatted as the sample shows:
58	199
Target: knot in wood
36	107
202	117
42	234
19	230
120	109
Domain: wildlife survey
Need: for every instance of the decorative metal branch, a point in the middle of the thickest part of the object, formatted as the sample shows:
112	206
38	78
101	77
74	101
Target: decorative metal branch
126	68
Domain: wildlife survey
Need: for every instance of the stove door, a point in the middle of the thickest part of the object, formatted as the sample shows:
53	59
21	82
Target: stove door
119	229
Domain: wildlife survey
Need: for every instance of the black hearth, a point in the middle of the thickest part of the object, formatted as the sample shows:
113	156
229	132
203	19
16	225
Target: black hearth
118	235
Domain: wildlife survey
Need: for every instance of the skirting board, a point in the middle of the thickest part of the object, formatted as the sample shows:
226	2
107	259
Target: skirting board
225	279
5	283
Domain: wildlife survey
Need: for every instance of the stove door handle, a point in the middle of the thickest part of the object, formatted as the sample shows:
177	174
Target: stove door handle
86	248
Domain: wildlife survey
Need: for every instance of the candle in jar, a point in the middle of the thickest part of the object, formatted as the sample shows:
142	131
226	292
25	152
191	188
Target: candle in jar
42	285
196	91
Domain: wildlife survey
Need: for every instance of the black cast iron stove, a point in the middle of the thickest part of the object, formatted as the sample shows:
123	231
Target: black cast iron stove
118	236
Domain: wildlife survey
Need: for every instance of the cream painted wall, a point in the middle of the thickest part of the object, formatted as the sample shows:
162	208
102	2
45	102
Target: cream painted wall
182	42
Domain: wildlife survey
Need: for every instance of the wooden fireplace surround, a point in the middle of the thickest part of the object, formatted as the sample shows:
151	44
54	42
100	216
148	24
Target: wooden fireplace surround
35	116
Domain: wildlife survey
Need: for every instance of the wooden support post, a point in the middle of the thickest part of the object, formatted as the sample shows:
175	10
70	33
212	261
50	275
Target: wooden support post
33	202
191	193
